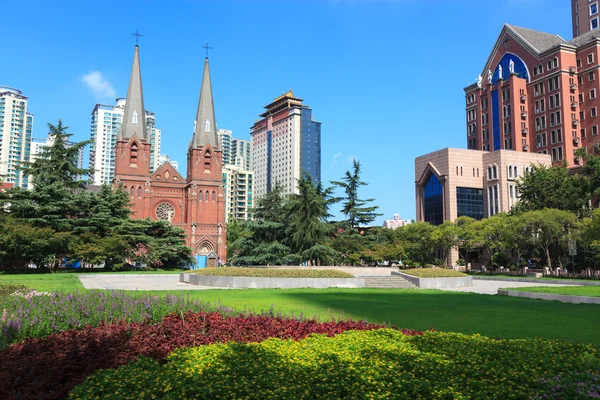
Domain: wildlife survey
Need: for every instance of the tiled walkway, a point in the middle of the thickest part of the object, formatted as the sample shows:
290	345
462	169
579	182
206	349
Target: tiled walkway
137	282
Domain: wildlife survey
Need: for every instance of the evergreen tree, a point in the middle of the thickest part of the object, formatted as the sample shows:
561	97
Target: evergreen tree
354	208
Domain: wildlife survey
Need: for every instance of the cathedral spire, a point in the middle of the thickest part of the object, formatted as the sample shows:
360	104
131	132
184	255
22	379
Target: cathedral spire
134	118
205	131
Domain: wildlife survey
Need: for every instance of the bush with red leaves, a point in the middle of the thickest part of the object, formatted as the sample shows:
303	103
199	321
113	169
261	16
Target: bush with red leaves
50	367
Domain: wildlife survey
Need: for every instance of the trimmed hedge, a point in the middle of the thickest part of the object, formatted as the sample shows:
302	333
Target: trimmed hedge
50	367
274	272
433	273
369	364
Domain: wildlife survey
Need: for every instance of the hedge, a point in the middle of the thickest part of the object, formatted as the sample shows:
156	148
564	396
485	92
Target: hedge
274	272
368	364
433	273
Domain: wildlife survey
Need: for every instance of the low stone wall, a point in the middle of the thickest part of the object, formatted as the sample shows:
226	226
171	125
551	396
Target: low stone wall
270	283
356	271
575	282
437	283
548	296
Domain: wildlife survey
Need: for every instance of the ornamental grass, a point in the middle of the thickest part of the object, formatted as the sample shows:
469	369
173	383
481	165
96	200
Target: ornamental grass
433	273
274	272
48	368
376	364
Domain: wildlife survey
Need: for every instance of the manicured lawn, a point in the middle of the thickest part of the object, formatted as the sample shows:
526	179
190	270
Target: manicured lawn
45	282
493	316
433	273
591	291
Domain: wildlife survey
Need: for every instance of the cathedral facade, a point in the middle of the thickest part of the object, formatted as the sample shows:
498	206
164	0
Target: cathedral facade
195	203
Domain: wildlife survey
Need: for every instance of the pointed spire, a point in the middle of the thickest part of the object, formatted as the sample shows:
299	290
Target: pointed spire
134	118
206	129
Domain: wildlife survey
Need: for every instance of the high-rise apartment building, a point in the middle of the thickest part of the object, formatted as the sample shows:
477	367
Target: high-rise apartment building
241	153
16	126
37	149
585	16
106	122
285	143
537	93
225	143
239	200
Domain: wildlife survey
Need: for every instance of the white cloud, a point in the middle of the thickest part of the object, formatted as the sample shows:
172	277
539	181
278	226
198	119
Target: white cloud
98	84
336	157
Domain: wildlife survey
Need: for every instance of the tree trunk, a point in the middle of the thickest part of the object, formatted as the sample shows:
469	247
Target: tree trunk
548	259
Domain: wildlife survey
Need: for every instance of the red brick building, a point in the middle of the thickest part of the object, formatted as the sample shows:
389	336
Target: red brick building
194	203
537	93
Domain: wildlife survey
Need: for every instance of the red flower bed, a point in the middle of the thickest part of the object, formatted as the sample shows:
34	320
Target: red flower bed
50	367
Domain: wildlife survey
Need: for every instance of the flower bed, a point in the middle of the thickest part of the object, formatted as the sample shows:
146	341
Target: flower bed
50	367
273	272
7	290
433	273
38	316
371	364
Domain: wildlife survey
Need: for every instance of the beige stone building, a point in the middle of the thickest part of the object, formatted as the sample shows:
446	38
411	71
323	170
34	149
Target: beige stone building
450	183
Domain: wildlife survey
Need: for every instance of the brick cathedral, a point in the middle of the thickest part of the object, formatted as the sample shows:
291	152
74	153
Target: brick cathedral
195	203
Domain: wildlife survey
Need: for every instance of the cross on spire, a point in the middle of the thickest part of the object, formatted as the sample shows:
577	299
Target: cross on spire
207	47
506	40
137	35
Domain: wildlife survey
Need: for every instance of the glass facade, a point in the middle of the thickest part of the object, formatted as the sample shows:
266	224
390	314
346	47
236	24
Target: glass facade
310	146
433	202
496	120
469	202
520	68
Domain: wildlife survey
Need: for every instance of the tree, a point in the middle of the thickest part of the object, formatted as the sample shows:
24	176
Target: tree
495	234
445	237
58	163
467	236
417	242
353	207
553	187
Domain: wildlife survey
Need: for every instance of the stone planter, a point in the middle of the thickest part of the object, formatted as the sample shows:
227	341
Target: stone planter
270	283
437	283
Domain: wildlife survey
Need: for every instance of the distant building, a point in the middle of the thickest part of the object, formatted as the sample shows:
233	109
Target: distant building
241	153
106	122
239	200
163	158
285	143
16	126
37	149
396	222
225	143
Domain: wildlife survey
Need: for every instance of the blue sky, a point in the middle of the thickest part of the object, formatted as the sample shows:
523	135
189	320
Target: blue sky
385	77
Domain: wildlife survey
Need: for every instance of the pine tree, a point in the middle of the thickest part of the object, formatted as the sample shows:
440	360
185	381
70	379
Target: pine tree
354	208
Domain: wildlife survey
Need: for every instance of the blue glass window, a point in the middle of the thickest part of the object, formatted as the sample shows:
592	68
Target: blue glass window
433	204
594	9
520	68
469	202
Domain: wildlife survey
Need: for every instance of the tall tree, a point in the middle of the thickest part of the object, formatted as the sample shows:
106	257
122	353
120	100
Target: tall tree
58	163
354	208
553	187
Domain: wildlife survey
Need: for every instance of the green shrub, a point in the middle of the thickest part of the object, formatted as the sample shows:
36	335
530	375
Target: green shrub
461	262
433	273
356	364
7	290
274	272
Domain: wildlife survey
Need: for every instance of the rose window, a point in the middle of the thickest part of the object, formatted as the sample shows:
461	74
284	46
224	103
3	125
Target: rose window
165	212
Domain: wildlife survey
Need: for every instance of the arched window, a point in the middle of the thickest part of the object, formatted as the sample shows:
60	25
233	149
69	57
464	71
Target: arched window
125	189
509	168
207	156
207	194
515	172
132	191
490	176
139	191
555	62
549	65
133	154
213	196
200	196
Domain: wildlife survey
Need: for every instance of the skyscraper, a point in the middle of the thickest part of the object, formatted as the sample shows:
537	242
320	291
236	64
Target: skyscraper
585	16
106	122
285	143
16	125
237	182
537	93
241	151
225	143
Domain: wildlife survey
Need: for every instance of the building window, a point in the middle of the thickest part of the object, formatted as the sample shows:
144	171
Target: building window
579	63
581	98
541	140
594	23
557	154
594	9
583	133
433	207
590	58
469	202
593	112
592	94
493	200
595	130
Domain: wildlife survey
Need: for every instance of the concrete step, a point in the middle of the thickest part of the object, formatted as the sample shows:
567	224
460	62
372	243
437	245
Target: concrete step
387	282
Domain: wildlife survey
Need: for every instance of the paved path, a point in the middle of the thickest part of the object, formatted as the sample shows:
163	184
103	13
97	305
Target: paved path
137	282
491	286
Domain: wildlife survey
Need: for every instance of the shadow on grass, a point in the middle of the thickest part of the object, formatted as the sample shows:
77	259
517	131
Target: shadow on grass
493	316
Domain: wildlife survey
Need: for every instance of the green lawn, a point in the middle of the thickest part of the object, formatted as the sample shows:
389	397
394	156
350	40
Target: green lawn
494	316
591	291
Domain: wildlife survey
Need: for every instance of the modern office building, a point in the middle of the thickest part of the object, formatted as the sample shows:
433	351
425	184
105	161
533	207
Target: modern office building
537	93
239	200
585	16
451	183
225	143
37	149
106	122
285	143
16	126
241	153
